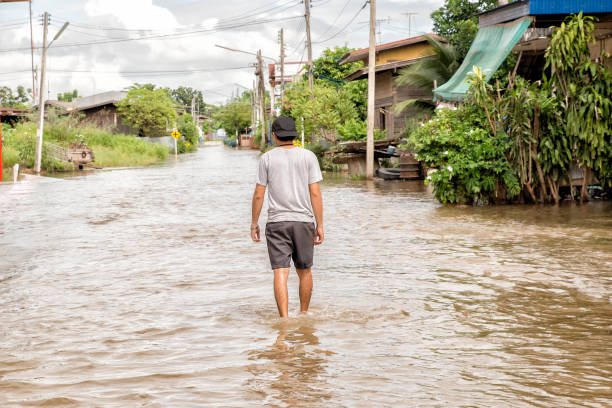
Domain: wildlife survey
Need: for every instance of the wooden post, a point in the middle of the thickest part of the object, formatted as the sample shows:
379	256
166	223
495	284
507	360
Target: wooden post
32	55
41	102
371	92
253	110
193	118
262	101
309	41
282	69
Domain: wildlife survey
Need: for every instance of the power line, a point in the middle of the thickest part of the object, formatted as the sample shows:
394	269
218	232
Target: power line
345	26
161	36
246	15
144	72
336	19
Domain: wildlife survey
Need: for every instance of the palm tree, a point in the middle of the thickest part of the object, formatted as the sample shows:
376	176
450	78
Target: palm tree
436	69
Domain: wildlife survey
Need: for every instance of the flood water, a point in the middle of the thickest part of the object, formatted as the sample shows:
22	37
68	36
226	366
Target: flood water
141	288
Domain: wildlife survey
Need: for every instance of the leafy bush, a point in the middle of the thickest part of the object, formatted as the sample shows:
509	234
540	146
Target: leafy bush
188	130
471	163
354	129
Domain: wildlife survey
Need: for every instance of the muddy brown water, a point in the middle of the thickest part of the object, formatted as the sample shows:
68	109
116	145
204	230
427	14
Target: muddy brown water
141	288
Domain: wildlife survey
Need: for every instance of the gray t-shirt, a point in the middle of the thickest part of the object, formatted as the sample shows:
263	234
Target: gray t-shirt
287	173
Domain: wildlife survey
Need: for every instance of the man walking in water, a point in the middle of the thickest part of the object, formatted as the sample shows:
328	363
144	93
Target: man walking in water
292	176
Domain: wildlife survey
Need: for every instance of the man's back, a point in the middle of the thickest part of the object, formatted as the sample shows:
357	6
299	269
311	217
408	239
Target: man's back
287	173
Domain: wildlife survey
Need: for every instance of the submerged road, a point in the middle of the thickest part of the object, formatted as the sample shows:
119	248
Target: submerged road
141	287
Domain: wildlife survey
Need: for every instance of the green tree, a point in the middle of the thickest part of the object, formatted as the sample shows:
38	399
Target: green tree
324	110
584	96
184	95
233	117
68	96
150	111
327	72
456	21
19	99
437	69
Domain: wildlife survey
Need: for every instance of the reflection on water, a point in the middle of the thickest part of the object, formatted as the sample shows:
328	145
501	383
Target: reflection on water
291	372
140	287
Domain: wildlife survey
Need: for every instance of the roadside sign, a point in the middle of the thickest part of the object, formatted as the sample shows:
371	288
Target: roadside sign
176	134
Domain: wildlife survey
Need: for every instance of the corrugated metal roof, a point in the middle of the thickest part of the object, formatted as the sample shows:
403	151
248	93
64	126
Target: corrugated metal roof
104	98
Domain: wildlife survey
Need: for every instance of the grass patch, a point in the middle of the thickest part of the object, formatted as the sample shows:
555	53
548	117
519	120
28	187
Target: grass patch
110	150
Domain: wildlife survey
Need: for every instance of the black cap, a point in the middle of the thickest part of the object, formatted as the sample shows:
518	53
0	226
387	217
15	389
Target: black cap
284	126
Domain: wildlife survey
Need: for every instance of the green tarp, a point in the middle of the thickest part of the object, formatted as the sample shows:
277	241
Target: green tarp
489	49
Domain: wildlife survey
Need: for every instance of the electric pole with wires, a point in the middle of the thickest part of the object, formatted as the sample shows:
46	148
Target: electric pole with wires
371	91
41	100
309	42
282	69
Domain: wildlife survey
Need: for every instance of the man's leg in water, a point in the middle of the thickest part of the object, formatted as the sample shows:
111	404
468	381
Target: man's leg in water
305	288
280	291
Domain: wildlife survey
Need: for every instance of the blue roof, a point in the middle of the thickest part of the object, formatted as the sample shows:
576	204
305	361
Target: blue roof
539	7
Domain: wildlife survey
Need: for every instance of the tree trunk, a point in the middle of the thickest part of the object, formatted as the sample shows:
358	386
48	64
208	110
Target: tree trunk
584	194
536	135
554	190
572	190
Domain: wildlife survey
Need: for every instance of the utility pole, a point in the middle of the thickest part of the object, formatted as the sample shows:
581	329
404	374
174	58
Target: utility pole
410	14
41	102
32	53
309	41
282	68
262	100
193	118
371	92
253	109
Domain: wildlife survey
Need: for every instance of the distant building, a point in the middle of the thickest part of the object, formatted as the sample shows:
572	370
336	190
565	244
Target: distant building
100	111
390	58
12	115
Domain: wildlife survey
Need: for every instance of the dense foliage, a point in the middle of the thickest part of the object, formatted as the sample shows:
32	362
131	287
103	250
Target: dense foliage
328	72
542	129
235	116
471	163
185	95
335	108
324	109
18	99
584	96
189	134
150	111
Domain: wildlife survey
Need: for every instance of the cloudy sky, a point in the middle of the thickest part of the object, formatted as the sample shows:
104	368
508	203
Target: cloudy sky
110	44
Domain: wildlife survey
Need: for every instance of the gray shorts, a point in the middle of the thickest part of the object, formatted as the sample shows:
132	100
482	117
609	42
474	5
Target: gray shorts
290	240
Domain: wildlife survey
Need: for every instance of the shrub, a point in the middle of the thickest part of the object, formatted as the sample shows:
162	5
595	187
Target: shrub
471	162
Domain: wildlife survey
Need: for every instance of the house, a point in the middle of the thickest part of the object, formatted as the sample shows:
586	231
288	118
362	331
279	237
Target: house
390	58
12	115
100	110
524	26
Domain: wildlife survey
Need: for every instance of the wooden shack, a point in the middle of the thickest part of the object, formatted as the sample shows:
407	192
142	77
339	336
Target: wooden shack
100	111
390	58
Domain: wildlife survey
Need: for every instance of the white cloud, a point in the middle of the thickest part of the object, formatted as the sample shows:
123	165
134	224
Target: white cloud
190	52
135	14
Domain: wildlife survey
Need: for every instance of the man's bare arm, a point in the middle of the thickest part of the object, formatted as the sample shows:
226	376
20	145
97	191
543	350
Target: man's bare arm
258	199
316	199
